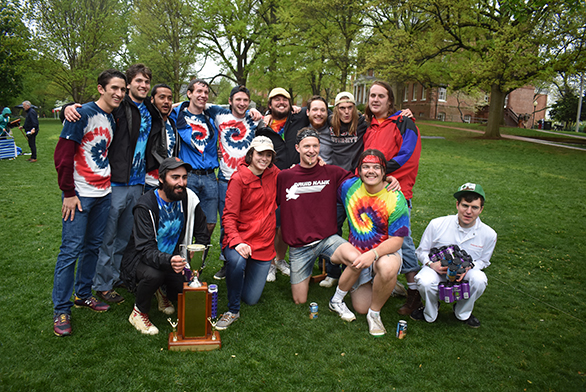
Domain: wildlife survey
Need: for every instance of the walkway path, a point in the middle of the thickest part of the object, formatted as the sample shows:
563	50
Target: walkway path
522	138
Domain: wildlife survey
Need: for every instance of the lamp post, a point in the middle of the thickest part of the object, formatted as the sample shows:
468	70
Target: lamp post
534	107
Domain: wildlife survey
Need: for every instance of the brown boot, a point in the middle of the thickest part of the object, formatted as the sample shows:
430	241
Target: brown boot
413	302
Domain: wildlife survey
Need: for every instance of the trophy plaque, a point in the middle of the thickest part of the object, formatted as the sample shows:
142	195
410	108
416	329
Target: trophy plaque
194	330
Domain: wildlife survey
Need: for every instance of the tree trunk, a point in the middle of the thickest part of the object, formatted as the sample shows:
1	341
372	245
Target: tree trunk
495	112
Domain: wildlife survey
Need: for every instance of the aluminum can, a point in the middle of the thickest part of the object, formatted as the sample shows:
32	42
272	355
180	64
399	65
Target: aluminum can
313	310
448	297
401	329
465	290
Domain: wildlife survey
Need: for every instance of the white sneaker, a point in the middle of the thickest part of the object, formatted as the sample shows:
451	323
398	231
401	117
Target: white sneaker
342	310
283	266
142	323
375	325
272	276
165	305
328	282
227	319
399	290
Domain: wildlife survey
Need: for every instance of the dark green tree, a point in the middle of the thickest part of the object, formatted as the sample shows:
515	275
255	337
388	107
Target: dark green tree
14	59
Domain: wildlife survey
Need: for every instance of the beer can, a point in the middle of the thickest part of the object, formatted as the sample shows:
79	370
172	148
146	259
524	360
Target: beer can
313	310
401	329
465	290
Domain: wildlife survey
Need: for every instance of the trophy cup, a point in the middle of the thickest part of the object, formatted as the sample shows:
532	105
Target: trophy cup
194	307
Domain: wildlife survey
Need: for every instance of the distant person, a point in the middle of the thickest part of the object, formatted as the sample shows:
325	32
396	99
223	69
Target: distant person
164	219
83	174
467	231
249	225
4	120
31	129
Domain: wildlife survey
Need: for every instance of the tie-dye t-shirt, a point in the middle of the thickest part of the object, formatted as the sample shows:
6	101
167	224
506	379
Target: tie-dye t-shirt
235	135
279	127
372	218
93	133
138	170
152	177
170	223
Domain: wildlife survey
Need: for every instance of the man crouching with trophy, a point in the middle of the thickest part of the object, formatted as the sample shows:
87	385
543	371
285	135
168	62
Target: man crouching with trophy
165	218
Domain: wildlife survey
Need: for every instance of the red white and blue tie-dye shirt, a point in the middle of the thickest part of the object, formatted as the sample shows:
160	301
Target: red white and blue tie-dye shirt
373	218
93	134
235	135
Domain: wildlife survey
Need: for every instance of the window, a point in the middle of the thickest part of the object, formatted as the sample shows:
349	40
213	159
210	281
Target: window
406	93
441	116
415	91
441	94
421	115
467	118
423	91
485	97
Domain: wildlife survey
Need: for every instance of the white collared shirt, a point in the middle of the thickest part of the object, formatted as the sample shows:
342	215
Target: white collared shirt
479	241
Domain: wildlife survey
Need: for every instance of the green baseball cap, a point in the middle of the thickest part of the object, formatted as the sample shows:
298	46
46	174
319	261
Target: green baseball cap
470	187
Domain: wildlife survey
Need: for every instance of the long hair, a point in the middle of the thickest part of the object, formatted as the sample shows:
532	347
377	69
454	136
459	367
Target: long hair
368	113
336	122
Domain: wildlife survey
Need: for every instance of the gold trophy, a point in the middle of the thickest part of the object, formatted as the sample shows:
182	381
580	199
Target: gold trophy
194	307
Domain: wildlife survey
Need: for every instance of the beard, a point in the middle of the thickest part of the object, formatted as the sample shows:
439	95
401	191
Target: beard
171	194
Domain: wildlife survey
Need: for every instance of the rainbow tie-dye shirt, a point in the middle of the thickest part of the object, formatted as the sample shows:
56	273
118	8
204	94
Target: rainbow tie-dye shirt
372	218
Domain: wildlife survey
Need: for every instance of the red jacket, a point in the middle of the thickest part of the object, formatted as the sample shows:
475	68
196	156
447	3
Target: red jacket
398	138
249	213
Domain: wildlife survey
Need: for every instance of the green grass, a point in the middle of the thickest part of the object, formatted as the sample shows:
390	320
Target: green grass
533	315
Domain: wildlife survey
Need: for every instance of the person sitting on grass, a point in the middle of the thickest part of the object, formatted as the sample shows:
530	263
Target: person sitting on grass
378	220
164	218
83	173
467	231
249	227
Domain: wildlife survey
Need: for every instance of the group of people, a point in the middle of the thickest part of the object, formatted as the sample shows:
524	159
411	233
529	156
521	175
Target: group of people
138	176
30	128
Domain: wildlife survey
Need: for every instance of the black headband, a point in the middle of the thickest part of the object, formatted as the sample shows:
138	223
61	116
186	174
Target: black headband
307	133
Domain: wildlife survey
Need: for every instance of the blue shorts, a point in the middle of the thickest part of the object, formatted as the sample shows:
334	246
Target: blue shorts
302	259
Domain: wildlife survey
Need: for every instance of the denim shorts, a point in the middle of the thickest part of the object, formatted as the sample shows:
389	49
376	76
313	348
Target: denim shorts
367	274
302	259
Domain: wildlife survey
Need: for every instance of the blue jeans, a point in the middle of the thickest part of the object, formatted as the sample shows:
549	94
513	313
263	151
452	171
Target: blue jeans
410	263
80	240
222	189
206	189
116	236
245	279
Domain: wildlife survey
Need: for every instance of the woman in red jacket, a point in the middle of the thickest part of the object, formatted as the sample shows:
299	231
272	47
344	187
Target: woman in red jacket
249	227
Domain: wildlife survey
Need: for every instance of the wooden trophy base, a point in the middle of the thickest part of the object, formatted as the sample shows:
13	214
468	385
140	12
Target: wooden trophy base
194	331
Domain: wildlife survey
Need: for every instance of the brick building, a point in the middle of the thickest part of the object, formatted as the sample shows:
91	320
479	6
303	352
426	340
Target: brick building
524	106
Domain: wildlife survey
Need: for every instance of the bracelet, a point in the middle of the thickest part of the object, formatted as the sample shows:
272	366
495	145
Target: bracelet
375	255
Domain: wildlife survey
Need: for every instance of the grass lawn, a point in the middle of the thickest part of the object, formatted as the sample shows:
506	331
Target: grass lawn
533	316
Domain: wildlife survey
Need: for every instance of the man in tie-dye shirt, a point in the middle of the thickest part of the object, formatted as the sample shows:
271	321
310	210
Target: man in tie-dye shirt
83	169
164	219
378	220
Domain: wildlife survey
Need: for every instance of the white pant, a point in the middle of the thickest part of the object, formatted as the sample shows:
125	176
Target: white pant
427	283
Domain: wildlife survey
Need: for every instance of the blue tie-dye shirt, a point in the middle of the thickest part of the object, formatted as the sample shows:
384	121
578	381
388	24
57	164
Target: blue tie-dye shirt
170	223
138	170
